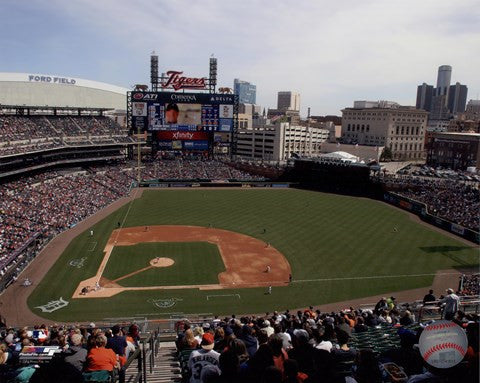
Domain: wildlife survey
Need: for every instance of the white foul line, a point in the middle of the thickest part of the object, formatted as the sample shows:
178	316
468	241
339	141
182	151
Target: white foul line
371	277
104	262
224	295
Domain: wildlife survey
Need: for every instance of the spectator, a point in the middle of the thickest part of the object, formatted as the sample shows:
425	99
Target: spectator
118	344
406	319
101	358
361	326
188	342
279	354
450	304
343	354
323	336
219	339
201	358
429	297
286	338
302	351
238	347
76	355
257	364
250	341
267	328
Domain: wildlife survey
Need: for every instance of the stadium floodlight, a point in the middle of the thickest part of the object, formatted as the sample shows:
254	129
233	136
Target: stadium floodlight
213	74
154	71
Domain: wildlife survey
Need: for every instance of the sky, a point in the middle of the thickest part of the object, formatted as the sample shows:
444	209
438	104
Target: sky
331	52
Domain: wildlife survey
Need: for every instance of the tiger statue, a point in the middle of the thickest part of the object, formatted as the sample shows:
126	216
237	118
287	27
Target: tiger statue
225	90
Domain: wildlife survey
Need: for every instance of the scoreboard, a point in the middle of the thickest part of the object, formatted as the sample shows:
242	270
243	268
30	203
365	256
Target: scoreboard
157	111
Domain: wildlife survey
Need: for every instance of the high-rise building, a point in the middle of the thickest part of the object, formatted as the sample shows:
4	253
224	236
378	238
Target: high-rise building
288	101
457	98
445	99
247	92
424	97
444	77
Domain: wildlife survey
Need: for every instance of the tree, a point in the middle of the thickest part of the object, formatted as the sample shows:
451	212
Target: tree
386	154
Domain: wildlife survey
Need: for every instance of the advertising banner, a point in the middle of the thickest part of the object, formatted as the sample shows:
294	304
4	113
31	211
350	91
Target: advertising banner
195	145
181	135
458	229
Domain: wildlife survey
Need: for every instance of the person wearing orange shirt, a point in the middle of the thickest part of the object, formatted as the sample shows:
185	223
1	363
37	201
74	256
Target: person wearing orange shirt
101	358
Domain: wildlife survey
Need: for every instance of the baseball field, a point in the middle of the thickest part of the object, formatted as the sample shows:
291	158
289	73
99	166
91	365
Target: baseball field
173	252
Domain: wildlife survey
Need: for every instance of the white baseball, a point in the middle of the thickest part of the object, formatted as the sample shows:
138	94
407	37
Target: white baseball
443	344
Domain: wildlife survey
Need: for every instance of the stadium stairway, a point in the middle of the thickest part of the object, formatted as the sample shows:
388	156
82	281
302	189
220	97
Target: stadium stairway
166	367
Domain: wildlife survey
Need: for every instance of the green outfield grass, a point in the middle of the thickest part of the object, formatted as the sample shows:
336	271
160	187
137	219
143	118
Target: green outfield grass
195	263
332	243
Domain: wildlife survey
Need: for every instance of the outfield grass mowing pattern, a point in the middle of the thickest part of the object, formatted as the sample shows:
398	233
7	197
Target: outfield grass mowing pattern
195	263
323	236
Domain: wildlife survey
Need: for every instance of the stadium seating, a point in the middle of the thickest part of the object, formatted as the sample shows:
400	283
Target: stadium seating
157	361
455	201
22	134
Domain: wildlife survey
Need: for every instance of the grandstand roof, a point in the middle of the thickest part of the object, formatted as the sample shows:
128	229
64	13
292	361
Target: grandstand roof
60	91
60	80
47	109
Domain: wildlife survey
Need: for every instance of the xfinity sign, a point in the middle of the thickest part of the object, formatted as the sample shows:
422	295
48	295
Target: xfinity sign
52	80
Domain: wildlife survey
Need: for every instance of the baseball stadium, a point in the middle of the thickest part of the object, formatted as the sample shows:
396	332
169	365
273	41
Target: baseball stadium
130	208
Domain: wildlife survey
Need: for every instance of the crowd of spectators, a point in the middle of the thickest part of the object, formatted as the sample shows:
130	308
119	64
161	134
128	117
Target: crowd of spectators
311	346
470	284
16	128
50	203
39	145
81	353
22	134
280	347
455	201
97	126
198	169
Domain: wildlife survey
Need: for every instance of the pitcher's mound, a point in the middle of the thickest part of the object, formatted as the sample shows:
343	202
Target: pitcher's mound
161	262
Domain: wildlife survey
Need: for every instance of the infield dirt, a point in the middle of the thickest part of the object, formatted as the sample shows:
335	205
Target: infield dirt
246	259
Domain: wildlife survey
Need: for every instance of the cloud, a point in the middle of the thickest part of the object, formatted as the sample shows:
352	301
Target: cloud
330	52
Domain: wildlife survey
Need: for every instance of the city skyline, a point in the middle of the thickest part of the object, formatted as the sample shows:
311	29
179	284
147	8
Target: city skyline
327	52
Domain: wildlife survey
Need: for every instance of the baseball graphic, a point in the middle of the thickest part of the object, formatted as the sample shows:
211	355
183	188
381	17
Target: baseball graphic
443	344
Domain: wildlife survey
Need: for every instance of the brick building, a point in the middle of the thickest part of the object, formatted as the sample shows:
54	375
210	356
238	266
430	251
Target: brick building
454	150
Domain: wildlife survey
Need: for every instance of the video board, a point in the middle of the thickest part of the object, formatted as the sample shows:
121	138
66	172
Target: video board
168	111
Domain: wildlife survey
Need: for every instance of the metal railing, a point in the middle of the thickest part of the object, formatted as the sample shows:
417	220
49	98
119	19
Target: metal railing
144	355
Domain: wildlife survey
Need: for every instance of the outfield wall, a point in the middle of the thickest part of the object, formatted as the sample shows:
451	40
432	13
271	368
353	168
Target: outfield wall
421	210
212	184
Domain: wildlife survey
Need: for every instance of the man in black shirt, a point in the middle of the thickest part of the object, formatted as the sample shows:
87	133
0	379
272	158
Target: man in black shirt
429	297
